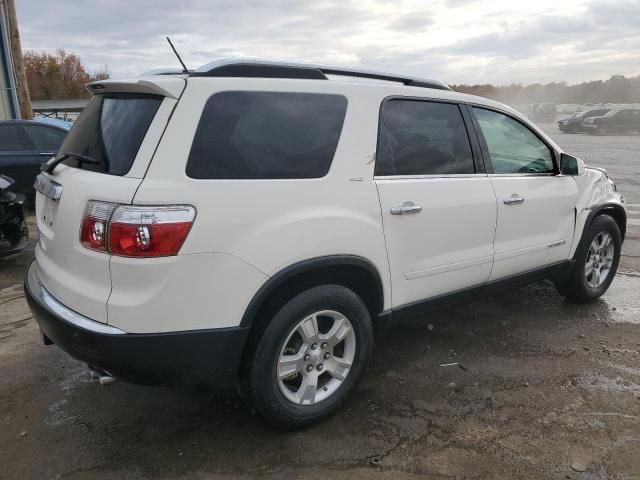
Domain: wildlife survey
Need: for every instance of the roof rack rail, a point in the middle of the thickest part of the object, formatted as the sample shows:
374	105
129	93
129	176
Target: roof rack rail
164	71
251	67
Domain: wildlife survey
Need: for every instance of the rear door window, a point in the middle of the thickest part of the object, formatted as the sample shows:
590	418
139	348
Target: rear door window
46	138
110	130
266	135
12	139
422	138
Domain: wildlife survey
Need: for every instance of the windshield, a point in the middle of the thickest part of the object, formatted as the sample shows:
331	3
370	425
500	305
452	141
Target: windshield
110	130
611	113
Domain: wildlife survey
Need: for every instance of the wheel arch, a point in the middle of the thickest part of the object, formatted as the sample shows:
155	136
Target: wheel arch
351	271
615	211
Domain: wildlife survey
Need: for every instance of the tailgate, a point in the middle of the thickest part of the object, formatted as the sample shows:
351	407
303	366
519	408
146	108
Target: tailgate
76	276
120	131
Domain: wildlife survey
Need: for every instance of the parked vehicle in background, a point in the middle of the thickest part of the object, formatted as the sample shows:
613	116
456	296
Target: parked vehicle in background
574	124
13	227
256	223
58	122
543	112
24	146
617	121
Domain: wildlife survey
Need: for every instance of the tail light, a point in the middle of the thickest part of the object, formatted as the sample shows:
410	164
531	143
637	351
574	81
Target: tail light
149	231
136	231
93	233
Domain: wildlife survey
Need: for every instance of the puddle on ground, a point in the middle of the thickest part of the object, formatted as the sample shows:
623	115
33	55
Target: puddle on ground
607	384
623	298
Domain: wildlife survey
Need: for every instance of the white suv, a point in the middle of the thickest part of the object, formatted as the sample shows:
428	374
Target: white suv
256	223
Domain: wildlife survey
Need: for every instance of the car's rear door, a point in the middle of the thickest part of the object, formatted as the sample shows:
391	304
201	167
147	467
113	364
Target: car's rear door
438	205
622	121
46	139
16	156
45	142
636	121
536	206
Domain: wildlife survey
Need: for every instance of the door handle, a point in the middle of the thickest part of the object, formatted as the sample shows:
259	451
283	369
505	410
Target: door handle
513	199
47	154
406	208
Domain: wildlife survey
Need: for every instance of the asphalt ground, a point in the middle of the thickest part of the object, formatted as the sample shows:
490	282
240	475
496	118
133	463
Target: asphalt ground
543	389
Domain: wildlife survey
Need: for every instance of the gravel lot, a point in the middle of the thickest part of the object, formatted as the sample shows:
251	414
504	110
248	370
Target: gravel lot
548	390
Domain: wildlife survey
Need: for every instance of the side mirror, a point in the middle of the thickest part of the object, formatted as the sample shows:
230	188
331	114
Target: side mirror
570	165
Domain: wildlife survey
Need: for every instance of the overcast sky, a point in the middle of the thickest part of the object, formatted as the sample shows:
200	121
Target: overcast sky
457	41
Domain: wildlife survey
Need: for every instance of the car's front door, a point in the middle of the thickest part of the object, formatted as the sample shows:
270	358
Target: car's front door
438	205
536	205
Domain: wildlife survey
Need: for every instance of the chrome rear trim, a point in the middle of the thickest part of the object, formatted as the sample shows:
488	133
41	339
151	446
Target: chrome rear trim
47	301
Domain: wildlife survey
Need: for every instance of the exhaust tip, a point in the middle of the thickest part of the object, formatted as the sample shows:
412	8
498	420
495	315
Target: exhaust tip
105	378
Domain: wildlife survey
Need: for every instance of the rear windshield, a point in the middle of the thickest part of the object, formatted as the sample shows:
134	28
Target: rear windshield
266	135
110	130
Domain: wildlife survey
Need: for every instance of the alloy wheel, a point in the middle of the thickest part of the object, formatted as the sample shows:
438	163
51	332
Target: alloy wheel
316	357
599	259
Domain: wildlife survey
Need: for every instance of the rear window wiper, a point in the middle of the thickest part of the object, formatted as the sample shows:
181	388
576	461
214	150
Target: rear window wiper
49	167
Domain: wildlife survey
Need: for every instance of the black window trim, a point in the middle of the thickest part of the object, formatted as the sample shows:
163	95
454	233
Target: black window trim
476	151
485	149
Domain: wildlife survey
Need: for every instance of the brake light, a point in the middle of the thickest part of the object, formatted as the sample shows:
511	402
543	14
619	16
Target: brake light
136	231
95	220
149	231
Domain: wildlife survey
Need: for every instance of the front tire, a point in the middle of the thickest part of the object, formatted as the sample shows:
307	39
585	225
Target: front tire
311	355
20	236
597	260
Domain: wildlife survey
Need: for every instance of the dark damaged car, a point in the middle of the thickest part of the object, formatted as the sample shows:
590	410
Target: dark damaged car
575	123
615	122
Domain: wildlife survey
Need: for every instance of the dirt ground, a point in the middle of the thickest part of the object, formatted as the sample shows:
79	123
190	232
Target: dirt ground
544	389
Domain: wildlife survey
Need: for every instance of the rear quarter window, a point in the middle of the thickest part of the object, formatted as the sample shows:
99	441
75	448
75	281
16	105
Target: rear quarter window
266	135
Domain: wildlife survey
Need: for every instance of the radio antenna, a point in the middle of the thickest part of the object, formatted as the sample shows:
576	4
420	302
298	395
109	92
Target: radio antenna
184	67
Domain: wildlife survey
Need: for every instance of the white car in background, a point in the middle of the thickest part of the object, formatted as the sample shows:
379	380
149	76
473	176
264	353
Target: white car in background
256	223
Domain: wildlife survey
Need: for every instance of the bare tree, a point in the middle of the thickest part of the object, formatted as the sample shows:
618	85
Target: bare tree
57	76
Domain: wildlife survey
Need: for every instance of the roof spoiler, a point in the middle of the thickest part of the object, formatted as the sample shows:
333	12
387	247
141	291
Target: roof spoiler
165	86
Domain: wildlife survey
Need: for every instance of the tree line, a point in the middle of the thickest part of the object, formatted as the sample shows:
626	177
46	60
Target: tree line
617	89
62	75
57	76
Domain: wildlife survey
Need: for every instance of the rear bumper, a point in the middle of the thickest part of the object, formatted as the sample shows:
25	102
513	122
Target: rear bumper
198	357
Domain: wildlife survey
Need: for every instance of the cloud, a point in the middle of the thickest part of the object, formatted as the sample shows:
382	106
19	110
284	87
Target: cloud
453	40
411	22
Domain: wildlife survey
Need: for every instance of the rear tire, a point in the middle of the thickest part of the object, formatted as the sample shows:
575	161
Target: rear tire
597	260
303	369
